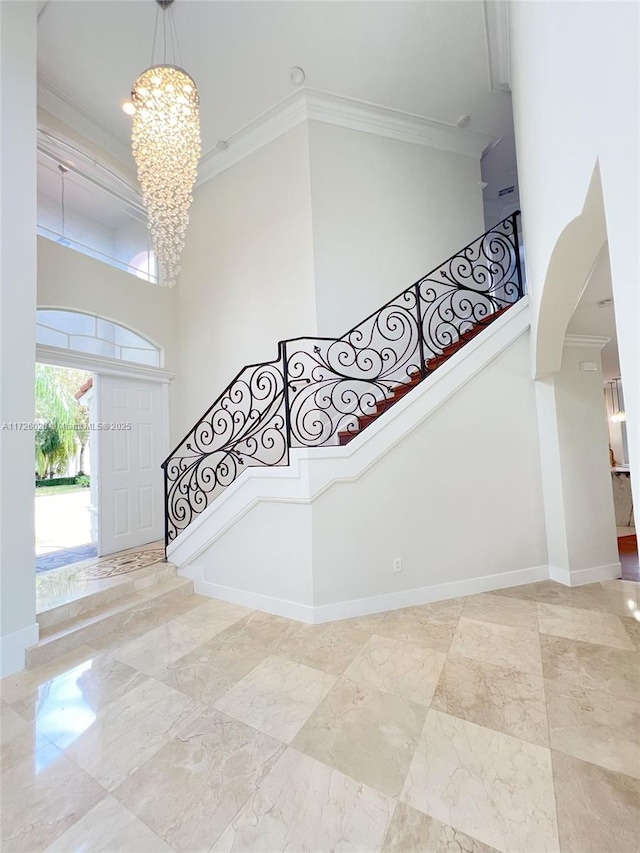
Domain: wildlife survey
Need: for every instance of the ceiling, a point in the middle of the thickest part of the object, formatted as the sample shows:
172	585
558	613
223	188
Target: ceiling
430	59
436	60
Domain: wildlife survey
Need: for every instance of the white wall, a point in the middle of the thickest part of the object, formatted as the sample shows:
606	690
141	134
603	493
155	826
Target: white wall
575	83
460	498
576	478
77	226
251	565
17	329
584	460
247	271
385	213
307	236
68	279
448	480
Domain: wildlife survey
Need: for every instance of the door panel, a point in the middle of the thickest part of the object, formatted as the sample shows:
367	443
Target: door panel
132	440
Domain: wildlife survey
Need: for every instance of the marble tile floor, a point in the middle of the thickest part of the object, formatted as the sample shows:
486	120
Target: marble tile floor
505	721
68	583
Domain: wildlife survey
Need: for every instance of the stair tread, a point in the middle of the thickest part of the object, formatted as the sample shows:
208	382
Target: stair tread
431	364
138	599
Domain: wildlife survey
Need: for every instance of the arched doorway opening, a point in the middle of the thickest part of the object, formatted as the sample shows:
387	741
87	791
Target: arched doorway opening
575	357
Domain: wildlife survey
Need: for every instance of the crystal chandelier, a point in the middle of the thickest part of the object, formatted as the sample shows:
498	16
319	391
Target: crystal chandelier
165	138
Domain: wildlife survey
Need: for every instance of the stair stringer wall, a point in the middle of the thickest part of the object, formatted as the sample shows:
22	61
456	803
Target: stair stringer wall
448	480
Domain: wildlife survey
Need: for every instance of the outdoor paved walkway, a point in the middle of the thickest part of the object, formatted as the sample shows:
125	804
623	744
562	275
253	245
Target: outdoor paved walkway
63	529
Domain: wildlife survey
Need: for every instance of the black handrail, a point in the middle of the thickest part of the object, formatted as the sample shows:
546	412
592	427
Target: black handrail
319	389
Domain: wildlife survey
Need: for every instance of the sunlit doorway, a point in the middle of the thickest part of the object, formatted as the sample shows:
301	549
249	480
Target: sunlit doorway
65	509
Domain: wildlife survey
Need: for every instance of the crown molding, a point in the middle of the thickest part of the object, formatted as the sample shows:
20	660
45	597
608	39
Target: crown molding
590	341
395	124
303	105
497	36
76	117
316	105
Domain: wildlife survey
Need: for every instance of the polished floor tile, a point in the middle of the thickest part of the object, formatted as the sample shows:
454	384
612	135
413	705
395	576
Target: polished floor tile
213	616
595	596
11	724
85	688
212	669
595	726
199	725
153	651
632	627
412	831
25	685
19	740
261	631
404	670
505	611
431	625
277	697
604	628
506	700
365	733
598	811
195	785
492	786
502	645
42	797
303	805
144	618
330	646
109	828
569	663
128	732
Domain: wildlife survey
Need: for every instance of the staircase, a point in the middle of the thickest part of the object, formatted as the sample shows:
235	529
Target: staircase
325	392
363	421
151	596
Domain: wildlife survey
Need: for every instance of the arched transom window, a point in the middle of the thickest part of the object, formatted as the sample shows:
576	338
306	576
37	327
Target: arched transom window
88	333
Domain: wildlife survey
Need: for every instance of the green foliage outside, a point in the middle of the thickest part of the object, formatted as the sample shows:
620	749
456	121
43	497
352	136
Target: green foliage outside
63	424
81	480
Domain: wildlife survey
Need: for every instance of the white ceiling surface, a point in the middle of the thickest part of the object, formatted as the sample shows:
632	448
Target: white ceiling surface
425	58
589	318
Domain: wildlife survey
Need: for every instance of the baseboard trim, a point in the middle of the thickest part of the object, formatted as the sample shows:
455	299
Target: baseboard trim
579	577
13	647
368	606
427	594
255	600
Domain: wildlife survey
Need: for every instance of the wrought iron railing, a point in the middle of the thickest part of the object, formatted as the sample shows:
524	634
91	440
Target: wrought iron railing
320	389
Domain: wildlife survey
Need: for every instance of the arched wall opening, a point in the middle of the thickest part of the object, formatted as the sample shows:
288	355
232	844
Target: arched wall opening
574	440
572	260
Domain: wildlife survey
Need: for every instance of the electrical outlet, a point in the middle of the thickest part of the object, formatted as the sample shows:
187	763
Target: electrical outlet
397	564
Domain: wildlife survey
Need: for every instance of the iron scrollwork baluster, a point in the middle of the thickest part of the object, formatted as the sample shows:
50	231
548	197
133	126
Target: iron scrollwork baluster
474	284
333	383
246	427
320	389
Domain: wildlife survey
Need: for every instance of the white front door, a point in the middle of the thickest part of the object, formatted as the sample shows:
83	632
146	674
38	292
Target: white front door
131	439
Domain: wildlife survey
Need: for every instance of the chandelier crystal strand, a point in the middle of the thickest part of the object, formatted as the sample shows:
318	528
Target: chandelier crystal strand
166	146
